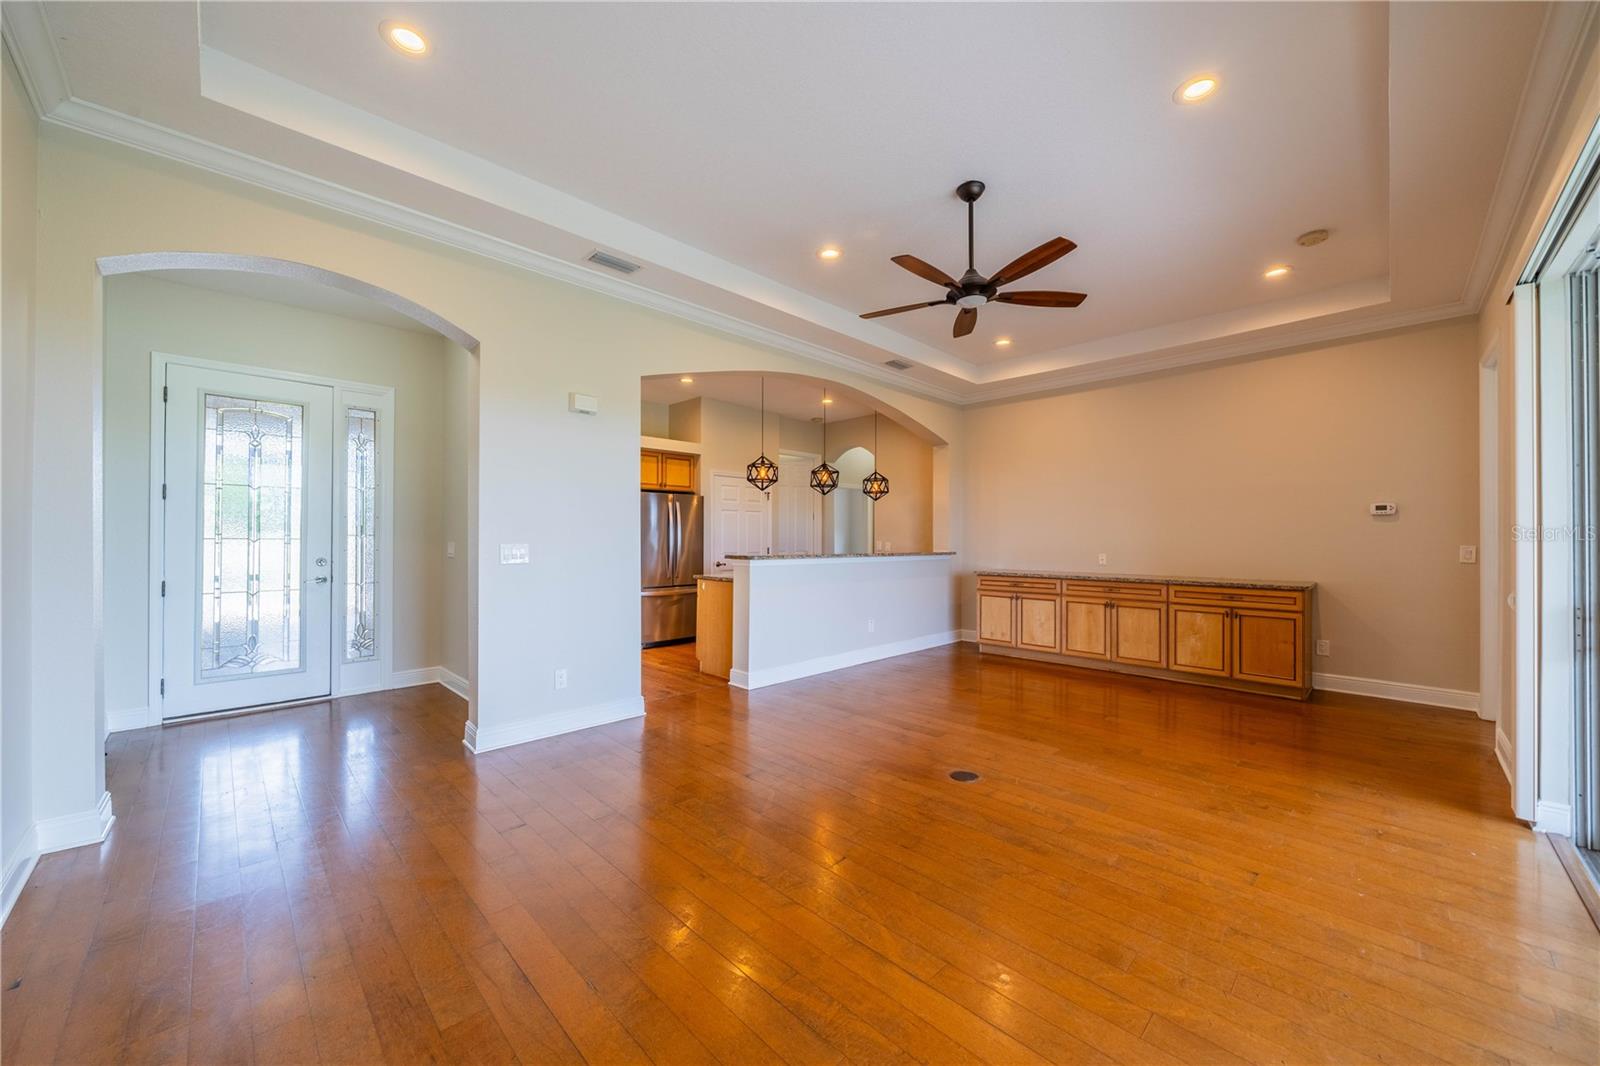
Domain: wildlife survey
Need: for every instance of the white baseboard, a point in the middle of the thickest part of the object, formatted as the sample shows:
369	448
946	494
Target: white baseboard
479	741
429	675
455	683
1552	817
776	675
1405	692
19	867
52	834
75	830
1503	753
129	718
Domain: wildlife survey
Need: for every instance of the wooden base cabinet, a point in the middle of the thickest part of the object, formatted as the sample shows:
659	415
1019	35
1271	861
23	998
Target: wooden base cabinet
1254	637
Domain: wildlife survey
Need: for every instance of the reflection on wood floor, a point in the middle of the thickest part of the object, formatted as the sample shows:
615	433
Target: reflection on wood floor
1143	872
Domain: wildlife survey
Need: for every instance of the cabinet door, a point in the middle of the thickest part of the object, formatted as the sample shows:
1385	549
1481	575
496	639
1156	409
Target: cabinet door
1267	647
1086	633
677	472
1198	640
1136	632
997	619
1037	627
649	470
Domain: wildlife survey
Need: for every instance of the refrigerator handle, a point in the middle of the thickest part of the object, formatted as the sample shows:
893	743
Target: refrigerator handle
674	533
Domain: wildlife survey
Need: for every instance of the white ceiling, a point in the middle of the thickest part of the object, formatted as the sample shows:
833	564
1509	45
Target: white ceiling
787	395
721	145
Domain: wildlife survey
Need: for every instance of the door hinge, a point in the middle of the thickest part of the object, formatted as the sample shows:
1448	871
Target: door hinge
163	394
163	588
163	490
1577	629
163	686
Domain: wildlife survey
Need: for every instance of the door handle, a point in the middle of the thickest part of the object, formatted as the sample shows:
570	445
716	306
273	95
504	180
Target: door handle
323	580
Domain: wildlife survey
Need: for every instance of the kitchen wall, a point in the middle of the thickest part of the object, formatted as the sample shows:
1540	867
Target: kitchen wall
145	314
728	433
1262	469
18	154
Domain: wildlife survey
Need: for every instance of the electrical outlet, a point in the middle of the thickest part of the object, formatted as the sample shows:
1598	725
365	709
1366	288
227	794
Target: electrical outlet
1102	558
1468	553
1323	648
872	625
561	678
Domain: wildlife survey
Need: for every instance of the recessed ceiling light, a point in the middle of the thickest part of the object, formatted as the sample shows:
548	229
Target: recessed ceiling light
403	38
1002	342
827	399
1279	271
1197	88
830	253
687	380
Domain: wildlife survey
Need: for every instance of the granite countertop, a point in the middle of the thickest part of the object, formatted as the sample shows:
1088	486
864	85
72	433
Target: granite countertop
843	555
713	577
1150	579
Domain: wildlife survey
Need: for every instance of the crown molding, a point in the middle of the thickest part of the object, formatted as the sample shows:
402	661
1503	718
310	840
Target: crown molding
1557	63
28	38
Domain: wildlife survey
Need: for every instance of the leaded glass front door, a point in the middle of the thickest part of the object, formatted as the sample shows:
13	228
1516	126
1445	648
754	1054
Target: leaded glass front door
247	554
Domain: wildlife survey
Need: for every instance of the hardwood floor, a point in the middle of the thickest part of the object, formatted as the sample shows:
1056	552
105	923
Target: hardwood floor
1144	872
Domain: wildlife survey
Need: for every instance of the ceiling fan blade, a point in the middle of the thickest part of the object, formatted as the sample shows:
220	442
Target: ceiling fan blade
924	270
907	307
966	319
1042	256
1042	298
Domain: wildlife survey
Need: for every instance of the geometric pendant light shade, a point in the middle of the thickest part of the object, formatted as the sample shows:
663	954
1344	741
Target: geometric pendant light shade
875	485
763	473
824	478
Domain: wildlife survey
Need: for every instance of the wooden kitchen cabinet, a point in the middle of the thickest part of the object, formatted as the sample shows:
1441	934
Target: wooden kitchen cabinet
1037	622
667	470
1138	633
1087	633
1199	639
1241	635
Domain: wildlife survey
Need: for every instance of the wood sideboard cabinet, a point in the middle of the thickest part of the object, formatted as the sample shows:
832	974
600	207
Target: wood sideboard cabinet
1247	635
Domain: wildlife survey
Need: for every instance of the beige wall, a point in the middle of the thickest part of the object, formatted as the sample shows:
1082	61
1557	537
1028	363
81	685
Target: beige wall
18	160
560	482
1262	469
145	315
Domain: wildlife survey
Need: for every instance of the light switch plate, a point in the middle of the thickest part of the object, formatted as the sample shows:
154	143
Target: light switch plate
1468	553
449	549
513	555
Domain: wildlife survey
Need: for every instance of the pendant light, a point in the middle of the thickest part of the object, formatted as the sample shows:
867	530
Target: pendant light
875	484
824	478
763	473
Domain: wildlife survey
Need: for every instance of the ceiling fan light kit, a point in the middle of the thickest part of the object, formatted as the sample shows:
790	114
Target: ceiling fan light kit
974	290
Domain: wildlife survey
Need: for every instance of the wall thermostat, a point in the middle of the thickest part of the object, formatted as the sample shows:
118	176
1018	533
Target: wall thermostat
581	404
1384	508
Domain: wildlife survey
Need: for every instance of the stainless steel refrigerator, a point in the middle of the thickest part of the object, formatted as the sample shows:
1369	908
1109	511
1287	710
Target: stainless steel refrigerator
671	553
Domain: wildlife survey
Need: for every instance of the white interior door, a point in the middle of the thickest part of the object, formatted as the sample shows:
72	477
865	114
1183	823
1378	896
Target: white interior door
799	514
741	519
247	605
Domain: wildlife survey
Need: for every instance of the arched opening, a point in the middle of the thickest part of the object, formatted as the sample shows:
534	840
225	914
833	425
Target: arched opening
852	511
288	460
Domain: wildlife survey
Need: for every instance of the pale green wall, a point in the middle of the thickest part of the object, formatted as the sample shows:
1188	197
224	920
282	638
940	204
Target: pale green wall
145	315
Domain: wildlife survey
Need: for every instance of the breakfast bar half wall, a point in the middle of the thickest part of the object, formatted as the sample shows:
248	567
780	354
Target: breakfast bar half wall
799	615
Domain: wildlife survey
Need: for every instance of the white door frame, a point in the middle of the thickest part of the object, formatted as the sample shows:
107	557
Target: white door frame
816	516
344	679
1491	605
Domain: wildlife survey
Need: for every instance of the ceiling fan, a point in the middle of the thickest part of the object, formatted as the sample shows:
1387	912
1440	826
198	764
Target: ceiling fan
974	290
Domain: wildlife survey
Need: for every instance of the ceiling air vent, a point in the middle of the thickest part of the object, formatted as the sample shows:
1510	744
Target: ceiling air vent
898	364
612	262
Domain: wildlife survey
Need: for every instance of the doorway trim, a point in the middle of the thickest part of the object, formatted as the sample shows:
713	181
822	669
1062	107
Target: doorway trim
1491	605
346	394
